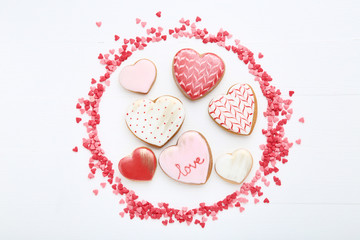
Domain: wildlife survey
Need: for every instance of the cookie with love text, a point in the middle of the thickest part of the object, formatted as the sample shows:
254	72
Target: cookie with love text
155	121
139	77
189	161
234	167
236	111
140	166
197	74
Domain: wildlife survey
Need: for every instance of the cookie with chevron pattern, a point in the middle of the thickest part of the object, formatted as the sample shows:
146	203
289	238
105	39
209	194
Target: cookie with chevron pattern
236	111
197	74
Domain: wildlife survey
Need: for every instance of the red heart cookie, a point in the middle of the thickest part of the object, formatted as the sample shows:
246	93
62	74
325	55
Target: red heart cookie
237	110
140	166
196	74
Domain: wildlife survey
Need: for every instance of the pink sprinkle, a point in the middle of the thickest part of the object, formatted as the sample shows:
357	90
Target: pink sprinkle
98	24
103	184
267	183
90	176
107	82
237	41
143	24
298	141
261	55
112	51
302	120
256	200
242	209
117	179
148	31
138	20
121	214
95	191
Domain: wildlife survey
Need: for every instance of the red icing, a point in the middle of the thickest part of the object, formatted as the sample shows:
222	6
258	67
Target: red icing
140	166
197	74
187	169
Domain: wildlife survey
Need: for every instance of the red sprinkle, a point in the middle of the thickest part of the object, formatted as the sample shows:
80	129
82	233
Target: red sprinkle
98	24
78	119
302	120
291	93
158	14
75	149
116	37
266	200
260	55
198	19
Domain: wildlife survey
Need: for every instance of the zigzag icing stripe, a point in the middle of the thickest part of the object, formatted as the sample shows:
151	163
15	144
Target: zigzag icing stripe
196	74
235	111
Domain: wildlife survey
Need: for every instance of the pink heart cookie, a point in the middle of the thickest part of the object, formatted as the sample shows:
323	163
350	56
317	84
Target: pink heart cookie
138	77
237	110
196	74
189	161
155	122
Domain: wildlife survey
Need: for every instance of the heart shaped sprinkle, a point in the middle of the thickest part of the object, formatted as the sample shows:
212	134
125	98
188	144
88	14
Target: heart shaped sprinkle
138	77
234	167
236	111
140	166
196	74
155	122
189	161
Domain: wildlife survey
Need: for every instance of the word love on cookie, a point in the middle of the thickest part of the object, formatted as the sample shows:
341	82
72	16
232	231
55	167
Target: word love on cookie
189	161
236	111
138	77
140	166
196	74
155	122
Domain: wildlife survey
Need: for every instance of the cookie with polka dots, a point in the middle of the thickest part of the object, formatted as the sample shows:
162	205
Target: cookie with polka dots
155	121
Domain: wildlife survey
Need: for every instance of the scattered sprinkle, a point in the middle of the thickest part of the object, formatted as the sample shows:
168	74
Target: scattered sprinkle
98	24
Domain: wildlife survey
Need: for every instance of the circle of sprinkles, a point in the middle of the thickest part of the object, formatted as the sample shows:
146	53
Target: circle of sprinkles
274	151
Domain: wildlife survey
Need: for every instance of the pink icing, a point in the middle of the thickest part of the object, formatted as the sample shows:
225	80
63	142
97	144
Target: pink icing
189	160
138	77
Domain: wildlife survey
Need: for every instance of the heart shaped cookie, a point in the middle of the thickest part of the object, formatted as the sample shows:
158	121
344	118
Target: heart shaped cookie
234	167
140	166
189	161
138	77
155	122
237	110
196	74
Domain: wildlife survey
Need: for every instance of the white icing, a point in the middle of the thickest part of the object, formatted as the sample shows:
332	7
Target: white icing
235	110
236	166
155	122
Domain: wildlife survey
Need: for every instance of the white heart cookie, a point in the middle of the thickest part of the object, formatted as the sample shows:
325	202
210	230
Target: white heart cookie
234	167
237	110
155	122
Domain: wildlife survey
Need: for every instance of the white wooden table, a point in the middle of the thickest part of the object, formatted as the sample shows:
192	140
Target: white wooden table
48	54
